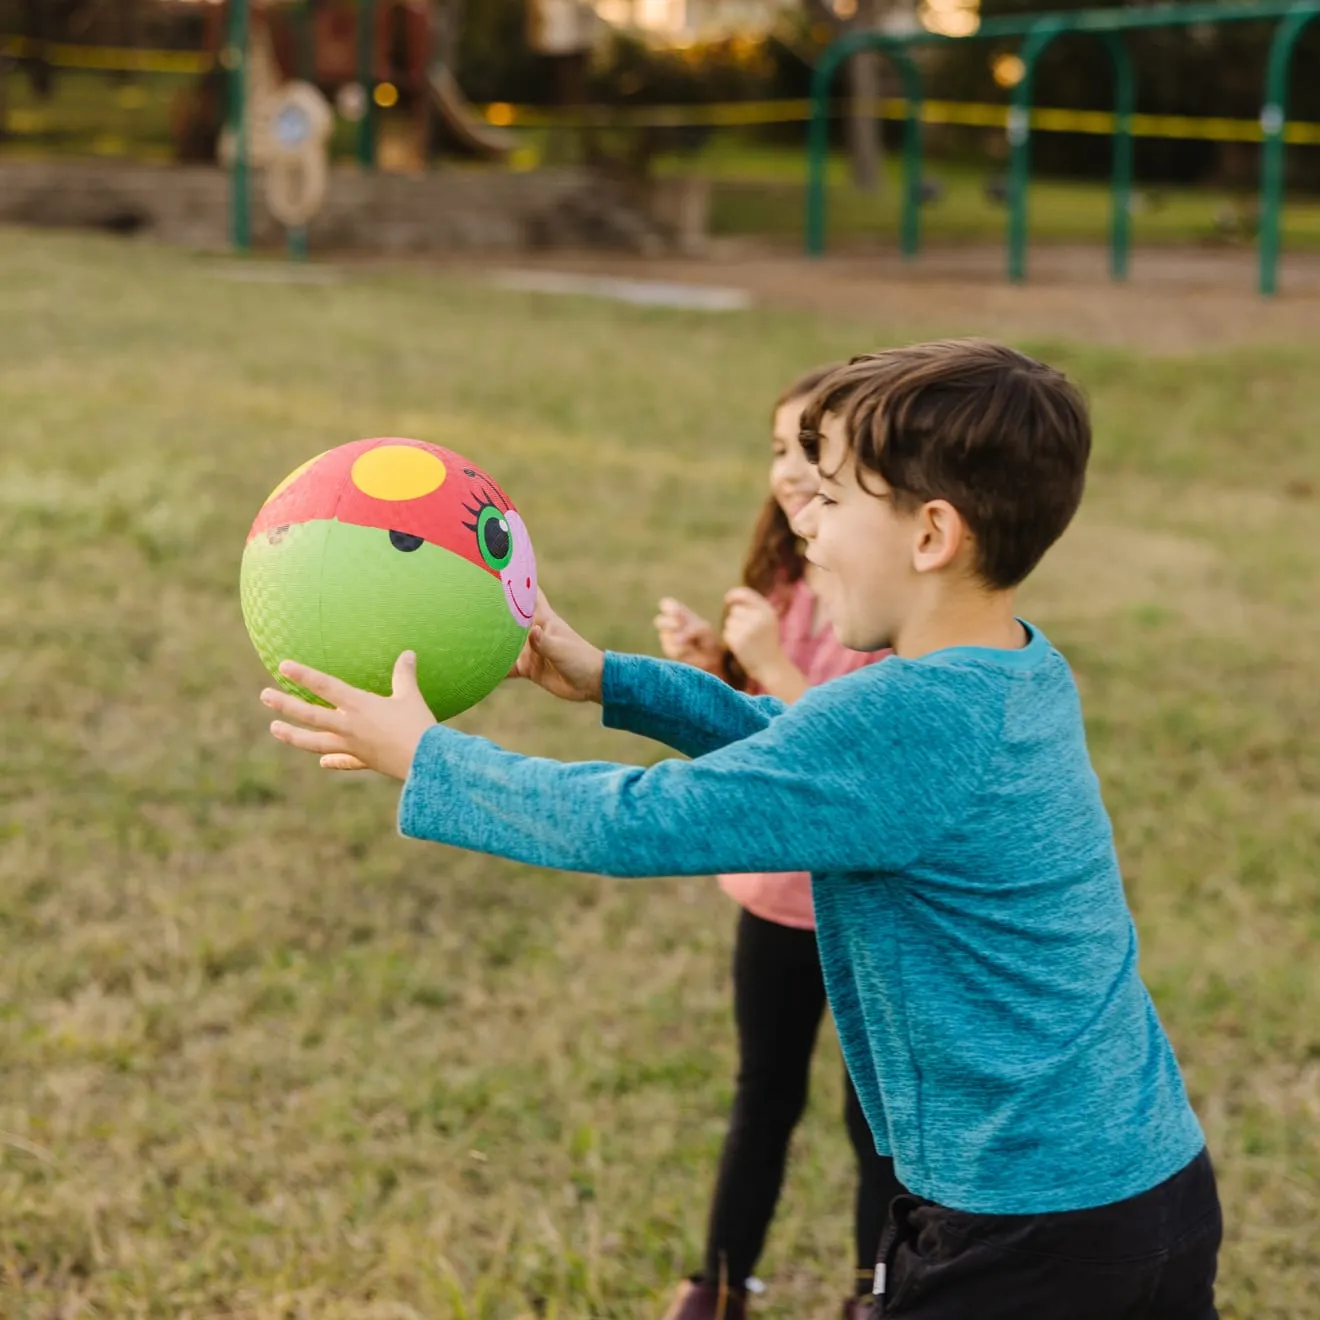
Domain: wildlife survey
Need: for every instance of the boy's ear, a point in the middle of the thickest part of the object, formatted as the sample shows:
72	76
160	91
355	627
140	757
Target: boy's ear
940	534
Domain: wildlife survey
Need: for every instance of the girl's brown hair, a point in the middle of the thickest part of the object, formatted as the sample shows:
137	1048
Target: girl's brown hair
774	557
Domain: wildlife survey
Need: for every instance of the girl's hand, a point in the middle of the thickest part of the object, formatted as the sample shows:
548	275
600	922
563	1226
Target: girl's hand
359	730
557	659
686	636
751	632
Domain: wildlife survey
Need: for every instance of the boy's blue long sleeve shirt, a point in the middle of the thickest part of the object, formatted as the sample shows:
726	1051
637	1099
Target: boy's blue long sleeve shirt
979	955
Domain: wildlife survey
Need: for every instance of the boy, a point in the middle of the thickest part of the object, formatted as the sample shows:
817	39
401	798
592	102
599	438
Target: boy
979	955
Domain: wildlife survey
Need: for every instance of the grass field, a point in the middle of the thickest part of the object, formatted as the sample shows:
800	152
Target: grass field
263	1059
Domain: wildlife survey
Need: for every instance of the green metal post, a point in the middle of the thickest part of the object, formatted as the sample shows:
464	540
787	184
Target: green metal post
240	182
1273	119
818	139
1038	31
910	226
818	148
1019	146
1042	35
1125	97
366	144
297	243
306	56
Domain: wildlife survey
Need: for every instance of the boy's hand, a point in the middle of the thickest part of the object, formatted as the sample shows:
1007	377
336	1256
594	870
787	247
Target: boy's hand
751	632
557	659
686	636
360	731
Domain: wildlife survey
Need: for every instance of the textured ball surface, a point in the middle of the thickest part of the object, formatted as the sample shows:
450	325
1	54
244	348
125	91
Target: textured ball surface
387	545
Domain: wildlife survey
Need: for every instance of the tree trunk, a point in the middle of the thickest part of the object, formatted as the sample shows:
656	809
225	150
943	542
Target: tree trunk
865	140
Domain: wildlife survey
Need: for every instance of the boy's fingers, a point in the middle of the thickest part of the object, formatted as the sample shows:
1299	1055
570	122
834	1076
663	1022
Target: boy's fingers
295	708
542	613
523	665
307	740
342	761
403	682
326	686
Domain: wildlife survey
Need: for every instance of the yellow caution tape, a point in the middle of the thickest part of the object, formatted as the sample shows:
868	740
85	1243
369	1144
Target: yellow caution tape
109	59
967	113
730	114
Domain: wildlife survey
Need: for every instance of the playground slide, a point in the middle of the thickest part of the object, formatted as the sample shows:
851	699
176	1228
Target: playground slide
461	122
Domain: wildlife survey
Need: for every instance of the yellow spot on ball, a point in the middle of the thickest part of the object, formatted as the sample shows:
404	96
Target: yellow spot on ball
293	476
398	472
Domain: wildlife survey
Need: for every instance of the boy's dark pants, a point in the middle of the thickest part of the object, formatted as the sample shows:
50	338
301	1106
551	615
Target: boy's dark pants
1152	1257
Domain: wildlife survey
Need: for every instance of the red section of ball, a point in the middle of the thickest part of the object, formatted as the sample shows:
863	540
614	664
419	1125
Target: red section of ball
446	516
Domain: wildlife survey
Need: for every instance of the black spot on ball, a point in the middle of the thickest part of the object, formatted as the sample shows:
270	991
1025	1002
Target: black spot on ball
469	472
405	541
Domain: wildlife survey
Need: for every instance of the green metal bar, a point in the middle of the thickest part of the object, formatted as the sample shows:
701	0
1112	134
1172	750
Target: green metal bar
1273	118
910	224
1123	19
1047	31
1043	33
818	140
297	242
366	143
1038	31
818	147
240	180
1125	102
306	42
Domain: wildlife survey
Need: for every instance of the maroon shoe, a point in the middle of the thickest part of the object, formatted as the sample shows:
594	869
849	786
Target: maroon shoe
695	1300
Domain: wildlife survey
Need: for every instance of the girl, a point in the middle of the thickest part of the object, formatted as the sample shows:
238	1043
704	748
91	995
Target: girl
773	642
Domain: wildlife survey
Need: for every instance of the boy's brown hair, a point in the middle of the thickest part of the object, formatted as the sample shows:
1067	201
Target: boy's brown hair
1003	438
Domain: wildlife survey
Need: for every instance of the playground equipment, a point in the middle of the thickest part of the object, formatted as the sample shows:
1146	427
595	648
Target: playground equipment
288	137
386	48
382	50
461	122
1039	32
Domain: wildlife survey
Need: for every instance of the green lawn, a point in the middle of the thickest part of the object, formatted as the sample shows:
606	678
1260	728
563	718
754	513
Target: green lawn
263	1059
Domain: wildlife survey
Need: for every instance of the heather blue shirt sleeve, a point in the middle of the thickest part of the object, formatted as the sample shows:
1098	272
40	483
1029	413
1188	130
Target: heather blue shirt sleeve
679	705
854	777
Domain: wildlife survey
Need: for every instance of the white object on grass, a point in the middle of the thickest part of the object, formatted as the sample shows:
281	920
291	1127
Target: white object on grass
643	293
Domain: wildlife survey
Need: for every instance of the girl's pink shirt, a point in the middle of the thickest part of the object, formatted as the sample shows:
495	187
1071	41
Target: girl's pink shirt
785	898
